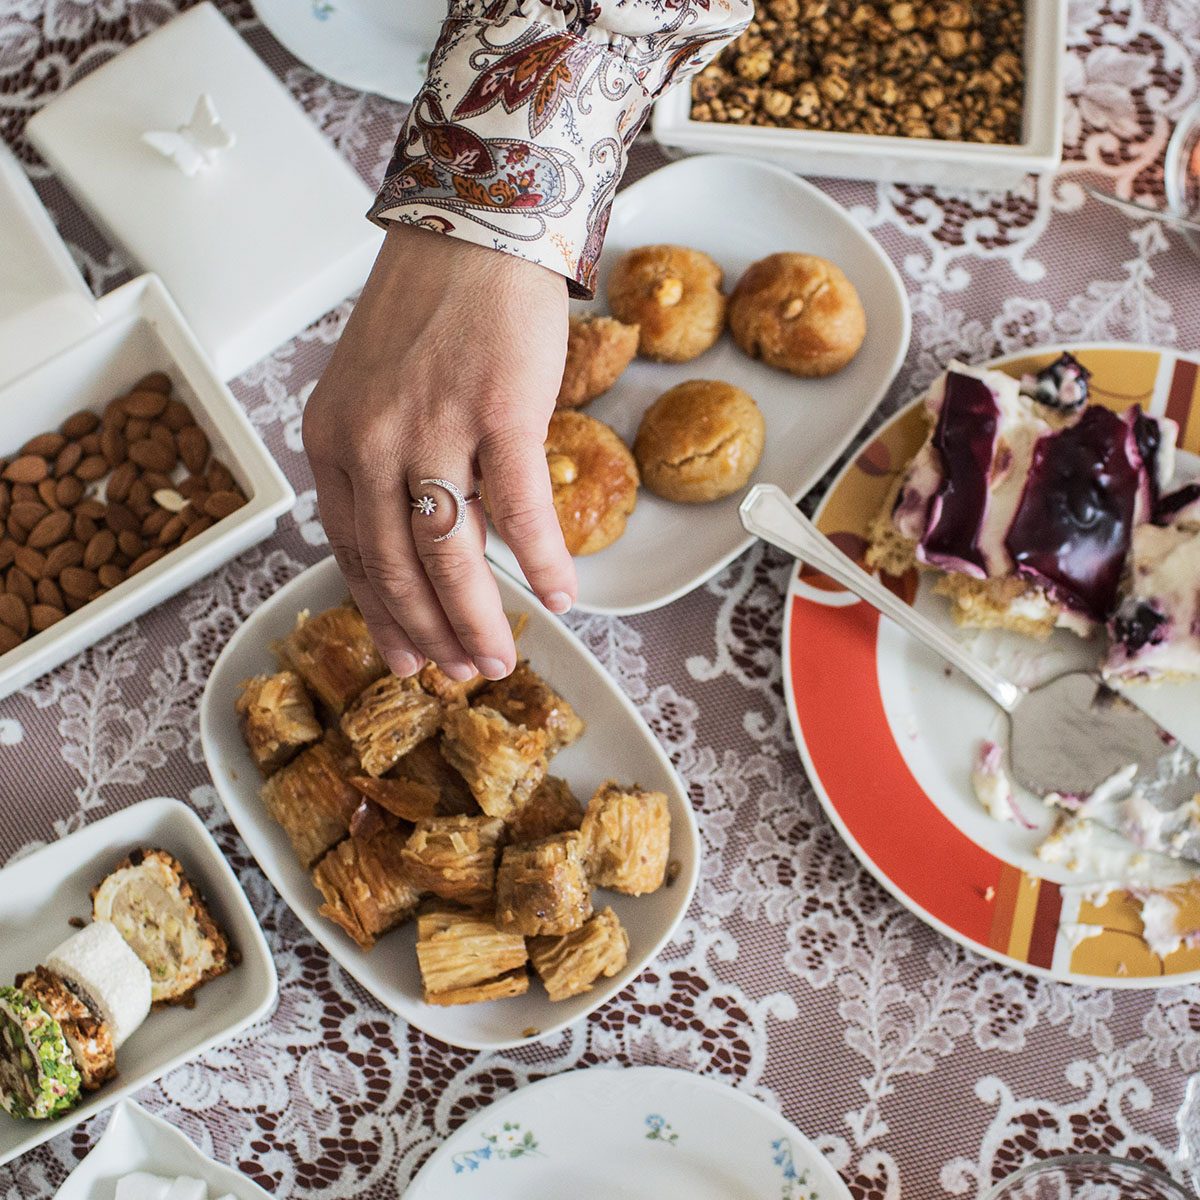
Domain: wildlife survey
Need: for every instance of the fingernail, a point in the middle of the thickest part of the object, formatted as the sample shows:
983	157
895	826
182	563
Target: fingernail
405	664
460	672
491	668
558	602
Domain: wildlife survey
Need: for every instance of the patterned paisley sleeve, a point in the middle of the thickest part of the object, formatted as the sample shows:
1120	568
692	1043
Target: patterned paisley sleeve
519	137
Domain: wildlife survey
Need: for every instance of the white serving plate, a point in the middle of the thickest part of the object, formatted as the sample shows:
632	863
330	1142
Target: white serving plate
737	211
900	159
379	46
38	896
617	744
636	1133
136	1140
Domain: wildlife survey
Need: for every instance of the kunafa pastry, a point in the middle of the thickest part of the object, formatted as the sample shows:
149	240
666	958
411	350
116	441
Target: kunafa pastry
277	719
571	964
334	654
464	958
389	718
525	698
542	888
552	808
627	832
502	762
455	857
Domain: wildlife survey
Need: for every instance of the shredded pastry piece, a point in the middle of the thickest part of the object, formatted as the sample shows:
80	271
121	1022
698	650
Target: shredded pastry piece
276	718
464	958
502	763
451	692
401	797
455	857
312	799
542	888
426	765
366	885
627	833
334	654
388	719
551	809
525	698
571	964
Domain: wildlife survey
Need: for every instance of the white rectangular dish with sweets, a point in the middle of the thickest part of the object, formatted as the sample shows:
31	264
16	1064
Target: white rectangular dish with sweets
47	895
736	211
616	744
61	352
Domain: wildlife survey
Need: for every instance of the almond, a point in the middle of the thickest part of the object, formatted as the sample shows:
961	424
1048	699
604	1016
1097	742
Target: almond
176	415
144	402
80	424
110	575
169	499
94	467
219	478
136	428
65	554
193	484
114	414
26	514
156	381
47	592
129	543
144	560
8	548
196	529
112	446
118	517
91	507
221	504
45	445
47	492
193	448
17	582
14	613
120	481
154	522
8	639
85	527
78	582
29	468
174	529
5	498
139	497
32	562
68	491
42	616
67	459
100	549
160	433
50	530
155	480
90	444
152	455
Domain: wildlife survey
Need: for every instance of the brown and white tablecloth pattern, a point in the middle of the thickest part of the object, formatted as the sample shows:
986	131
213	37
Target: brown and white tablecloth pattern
916	1066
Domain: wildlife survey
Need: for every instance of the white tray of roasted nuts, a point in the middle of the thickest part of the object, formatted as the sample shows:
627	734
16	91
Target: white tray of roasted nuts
127	469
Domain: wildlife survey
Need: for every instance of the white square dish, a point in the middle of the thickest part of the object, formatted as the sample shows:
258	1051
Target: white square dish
737	211
901	159
616	744
136	1140
41	893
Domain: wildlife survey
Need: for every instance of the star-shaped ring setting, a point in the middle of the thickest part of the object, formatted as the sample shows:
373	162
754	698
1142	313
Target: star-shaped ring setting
426	506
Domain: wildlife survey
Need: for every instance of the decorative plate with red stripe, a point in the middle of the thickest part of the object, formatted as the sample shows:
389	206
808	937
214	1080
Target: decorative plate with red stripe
889	735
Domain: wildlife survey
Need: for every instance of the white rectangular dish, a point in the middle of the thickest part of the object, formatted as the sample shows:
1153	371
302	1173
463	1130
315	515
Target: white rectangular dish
616	744
900	159
41	893
737	211
136	1140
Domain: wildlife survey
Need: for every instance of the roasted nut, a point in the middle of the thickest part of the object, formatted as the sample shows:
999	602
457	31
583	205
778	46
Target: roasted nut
668	292
562	469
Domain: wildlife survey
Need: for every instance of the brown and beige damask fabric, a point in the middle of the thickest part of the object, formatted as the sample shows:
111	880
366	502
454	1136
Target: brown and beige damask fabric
922	1070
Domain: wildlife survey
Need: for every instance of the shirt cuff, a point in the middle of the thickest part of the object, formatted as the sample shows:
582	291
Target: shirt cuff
517	142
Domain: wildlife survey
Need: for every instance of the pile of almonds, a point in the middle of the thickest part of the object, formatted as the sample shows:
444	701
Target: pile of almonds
950	69
86	507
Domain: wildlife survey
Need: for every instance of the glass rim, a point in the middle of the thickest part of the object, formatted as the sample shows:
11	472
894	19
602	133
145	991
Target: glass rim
1156	1175
1173	183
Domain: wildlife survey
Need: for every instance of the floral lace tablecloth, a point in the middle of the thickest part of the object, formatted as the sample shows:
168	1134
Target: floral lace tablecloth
916	1066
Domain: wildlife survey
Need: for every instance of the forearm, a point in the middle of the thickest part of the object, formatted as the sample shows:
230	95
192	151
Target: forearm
520	136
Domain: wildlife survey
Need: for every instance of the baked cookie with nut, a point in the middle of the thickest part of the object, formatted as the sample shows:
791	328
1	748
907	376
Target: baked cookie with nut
598	351
673	294
699	441
797	312
594	478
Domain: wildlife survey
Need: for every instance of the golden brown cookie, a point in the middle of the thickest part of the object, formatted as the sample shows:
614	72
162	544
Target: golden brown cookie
699	441
673	295
594	478
598	350
797	312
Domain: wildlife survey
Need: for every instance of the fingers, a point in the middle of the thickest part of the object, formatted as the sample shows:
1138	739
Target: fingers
464	583
398	578
335	500
521	504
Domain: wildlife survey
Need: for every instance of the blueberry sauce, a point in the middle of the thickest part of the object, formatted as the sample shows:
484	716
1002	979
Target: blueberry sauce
1139	628
1062	384
964	438
1073	526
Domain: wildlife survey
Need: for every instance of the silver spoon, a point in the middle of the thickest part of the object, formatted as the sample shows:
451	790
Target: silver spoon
1068	735
1133	209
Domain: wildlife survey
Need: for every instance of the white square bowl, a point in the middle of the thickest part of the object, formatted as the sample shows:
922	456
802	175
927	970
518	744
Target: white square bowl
139	330
900	159
41	893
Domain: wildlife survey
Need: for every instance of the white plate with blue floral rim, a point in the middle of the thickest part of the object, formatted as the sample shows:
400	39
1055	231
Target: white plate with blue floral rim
379	46
136	1140
642	1133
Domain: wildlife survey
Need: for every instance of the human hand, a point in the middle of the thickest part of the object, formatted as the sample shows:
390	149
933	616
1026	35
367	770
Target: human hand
448	368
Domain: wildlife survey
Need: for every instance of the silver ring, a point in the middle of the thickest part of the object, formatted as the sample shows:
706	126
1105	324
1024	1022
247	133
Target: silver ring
426	505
